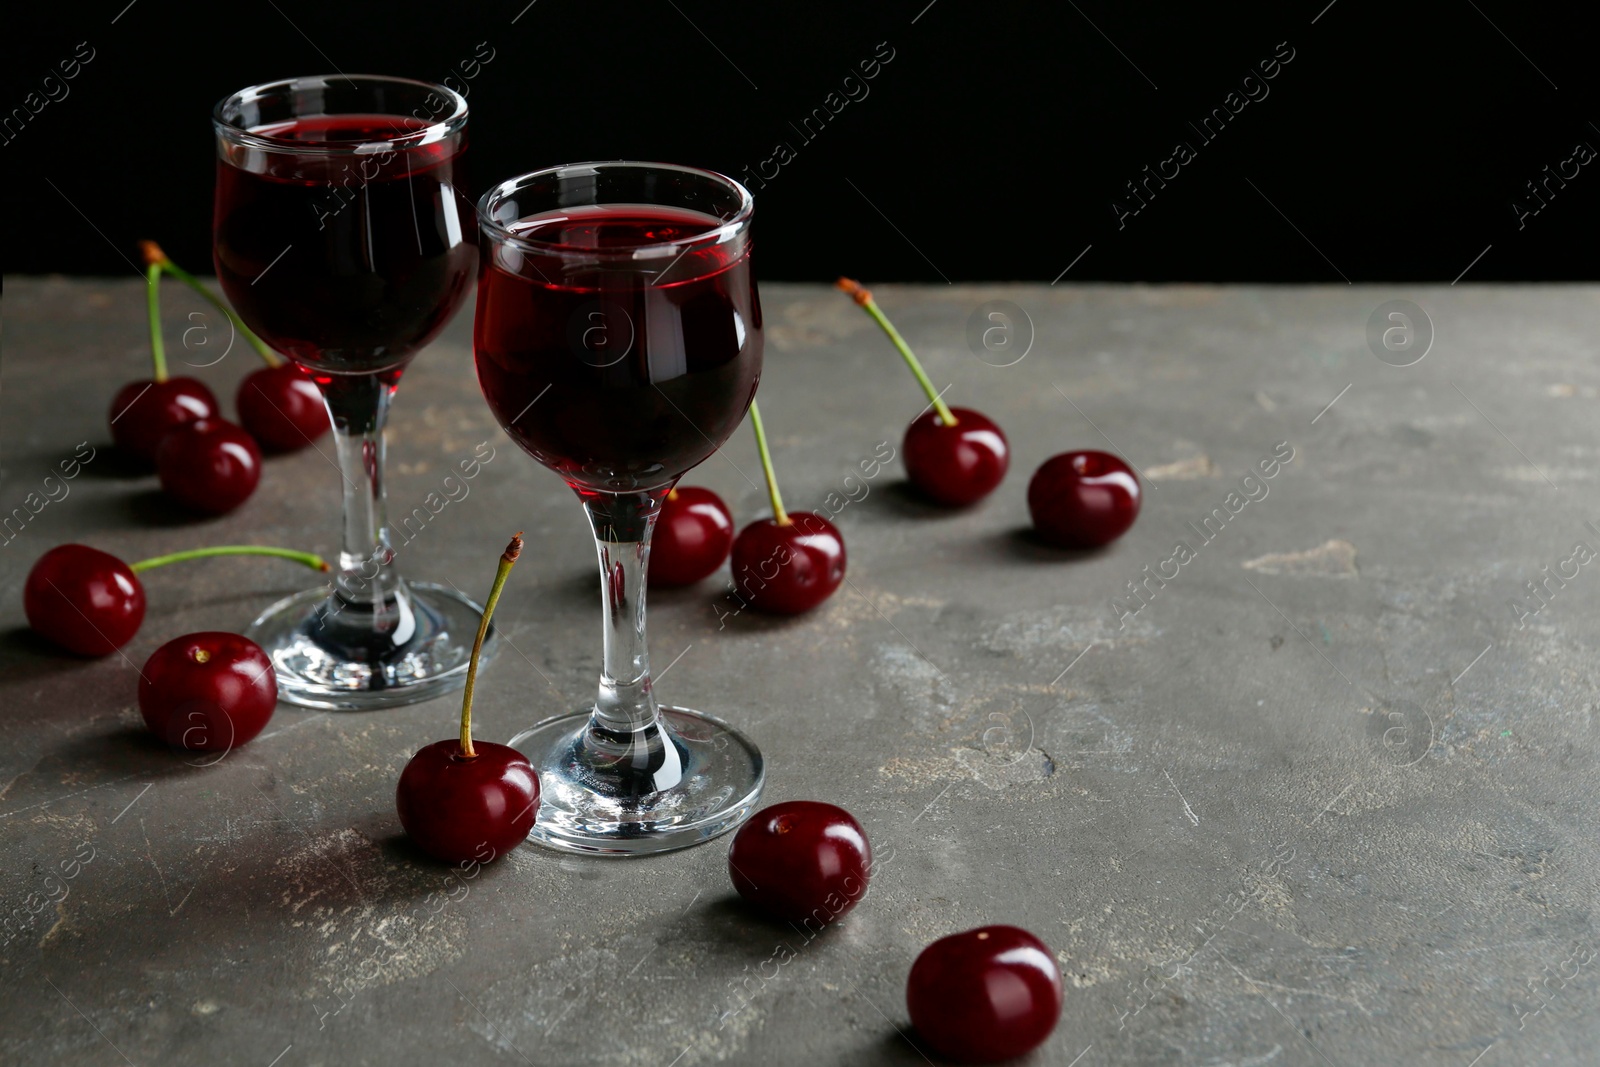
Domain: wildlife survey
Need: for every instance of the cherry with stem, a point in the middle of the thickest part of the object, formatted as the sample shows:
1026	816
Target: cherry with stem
143	411
461	801
92	603
279	404
955	456
792	562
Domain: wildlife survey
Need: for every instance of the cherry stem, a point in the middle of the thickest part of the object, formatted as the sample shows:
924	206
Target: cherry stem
778	513
152	297
863	297
507	558
156	258
315	562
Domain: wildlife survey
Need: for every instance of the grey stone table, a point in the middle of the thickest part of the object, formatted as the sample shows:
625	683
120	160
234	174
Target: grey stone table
1323	794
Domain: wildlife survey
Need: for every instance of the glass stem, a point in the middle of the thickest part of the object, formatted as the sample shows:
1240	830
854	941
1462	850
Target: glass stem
359	408
622	523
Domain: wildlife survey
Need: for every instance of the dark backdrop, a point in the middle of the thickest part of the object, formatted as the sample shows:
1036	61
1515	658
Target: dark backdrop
1395	143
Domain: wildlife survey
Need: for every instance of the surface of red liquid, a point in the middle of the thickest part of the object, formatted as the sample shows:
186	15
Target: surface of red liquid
347	263
618	371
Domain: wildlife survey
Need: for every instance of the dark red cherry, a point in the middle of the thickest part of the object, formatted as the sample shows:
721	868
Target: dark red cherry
281	408
84	600
801	861
209	691
693	535
786	570
956	465
1083	499
142	412
984	995
458	809
210	466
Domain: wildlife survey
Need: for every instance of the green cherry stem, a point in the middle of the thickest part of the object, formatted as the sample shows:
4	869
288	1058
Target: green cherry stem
315	562
863	297
152	300
154	256
507	558
778	513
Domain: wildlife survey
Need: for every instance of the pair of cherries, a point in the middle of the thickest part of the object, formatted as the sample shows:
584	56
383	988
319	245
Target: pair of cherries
784	565
957	456
206	691
205	462
786	568
979	996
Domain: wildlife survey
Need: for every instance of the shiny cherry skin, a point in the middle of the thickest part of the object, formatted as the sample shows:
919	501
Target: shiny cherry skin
956	465
458	810
692	537
84	600
209	692
210	466
281	408
801	861
142	412
984	995
786	570
1083	499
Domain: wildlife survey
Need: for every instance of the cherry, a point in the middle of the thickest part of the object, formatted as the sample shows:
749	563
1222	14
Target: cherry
91	603
85	600
956	464
985	995
786	568
1083	499
801	860
282	408
210	466
956	456
143	411
693	535
208	691
459	801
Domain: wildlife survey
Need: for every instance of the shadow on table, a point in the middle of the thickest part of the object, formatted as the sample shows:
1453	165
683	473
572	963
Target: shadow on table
111	463
152	507
26	657
1024	543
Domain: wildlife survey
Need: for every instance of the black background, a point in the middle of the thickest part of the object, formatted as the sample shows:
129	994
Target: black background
991	147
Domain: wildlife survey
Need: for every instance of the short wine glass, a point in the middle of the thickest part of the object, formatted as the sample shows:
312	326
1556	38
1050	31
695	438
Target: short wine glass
618	341
343	238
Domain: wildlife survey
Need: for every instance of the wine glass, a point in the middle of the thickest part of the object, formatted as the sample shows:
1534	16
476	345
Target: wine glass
343	239
618	341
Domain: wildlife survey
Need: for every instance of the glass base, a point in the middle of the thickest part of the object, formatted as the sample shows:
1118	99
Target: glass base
669	787
338	660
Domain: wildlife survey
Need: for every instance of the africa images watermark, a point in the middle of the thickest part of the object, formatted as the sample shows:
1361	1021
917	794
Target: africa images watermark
52	90
55	491
1141	592
851	89
1552	182
747	582
434	105
1542	590
1252	88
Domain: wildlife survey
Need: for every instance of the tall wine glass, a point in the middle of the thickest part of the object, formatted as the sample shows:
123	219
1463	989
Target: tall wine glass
343	239
618	341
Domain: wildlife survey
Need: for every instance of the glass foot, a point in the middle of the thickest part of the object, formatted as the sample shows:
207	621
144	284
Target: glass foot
337	660
665	787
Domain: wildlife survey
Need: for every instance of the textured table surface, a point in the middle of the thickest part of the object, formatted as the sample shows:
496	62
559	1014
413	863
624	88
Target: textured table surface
1328	797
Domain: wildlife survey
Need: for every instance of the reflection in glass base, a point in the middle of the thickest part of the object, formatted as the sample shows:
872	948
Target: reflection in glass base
664	788
338	660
